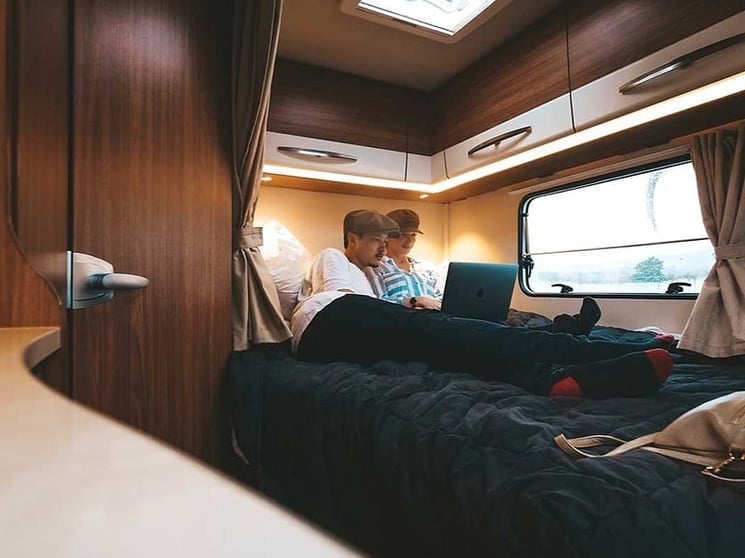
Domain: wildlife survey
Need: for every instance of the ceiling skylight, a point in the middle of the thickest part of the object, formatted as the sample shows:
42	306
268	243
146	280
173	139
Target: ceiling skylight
441	19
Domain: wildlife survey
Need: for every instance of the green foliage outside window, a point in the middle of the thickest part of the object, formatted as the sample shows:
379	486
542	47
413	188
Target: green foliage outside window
649	271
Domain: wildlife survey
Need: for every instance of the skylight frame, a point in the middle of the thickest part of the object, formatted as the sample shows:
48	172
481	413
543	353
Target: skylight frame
402	14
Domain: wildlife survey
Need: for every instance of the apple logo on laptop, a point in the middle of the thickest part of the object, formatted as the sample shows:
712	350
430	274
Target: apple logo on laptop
480	293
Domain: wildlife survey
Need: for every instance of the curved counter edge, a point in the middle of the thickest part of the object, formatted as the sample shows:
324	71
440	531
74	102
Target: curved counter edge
76	483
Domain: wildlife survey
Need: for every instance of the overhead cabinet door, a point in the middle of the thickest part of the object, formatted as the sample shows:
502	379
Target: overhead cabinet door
712	54
331	156
535	127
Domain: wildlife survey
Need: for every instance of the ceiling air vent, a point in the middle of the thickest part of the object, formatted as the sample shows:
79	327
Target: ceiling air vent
442	20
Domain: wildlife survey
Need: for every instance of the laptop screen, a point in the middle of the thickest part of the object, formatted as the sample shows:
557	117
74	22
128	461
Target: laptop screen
479	290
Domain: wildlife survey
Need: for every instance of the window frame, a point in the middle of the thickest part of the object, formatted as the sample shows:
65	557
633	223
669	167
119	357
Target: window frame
598	178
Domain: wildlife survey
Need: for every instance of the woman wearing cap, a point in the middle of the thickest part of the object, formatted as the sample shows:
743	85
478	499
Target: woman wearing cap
411	282
401	278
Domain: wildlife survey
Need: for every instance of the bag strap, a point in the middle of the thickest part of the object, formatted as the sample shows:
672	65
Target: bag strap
712	465
572	446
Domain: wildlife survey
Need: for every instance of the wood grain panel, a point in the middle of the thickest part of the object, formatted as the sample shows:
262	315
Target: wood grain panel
531	69
421	126
605	35
320	103
26	299
39	156
42	30
152	196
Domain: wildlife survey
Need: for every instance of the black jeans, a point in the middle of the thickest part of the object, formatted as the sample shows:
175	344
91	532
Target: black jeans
362	329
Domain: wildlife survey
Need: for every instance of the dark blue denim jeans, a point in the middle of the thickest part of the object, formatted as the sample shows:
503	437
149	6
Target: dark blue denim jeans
362	329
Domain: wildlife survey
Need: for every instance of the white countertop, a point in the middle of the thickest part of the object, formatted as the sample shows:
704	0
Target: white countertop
75	483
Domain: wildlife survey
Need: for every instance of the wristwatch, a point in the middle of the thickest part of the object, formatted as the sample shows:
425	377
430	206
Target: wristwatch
412	301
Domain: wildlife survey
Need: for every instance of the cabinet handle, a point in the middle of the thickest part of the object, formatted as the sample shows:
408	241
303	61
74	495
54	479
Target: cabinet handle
305	152
499	139
681	62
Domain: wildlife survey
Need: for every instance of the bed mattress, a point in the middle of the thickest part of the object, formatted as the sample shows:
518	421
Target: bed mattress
401	460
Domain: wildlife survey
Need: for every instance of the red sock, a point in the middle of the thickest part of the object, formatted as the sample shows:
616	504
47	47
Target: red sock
661	361
633	375
665	339
568	387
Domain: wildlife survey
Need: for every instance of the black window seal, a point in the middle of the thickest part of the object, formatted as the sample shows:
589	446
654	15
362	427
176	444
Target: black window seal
599	179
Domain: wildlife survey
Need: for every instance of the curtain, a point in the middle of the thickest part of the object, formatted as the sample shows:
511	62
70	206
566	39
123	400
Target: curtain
716	327
256	310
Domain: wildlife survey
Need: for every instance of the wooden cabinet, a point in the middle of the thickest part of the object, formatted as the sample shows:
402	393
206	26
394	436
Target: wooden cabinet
542	124
700	59
384	130
560	75
606	35
528	71
431	131
314	102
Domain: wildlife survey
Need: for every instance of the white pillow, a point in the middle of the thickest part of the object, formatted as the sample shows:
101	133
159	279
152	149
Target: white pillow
288	261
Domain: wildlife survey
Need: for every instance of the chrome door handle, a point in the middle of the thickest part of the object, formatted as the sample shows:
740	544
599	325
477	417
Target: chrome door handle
681	62
499	139
92	281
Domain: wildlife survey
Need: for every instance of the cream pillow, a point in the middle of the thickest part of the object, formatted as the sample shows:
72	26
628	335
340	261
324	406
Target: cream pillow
288	261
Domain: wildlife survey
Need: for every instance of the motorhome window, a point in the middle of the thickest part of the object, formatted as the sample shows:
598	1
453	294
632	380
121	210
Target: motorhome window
638	234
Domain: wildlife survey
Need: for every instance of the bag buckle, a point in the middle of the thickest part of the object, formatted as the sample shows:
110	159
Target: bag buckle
731	458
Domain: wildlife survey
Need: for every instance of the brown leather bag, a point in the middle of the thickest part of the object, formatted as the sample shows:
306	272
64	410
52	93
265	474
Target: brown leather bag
711	435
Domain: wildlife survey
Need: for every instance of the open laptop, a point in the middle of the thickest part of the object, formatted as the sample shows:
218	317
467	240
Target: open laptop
479	290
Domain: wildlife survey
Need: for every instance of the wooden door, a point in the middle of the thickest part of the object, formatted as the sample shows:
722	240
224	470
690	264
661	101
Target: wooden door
151	195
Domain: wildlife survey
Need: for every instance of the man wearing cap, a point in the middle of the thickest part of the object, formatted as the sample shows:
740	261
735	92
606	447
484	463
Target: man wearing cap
334	274
338	319
399	277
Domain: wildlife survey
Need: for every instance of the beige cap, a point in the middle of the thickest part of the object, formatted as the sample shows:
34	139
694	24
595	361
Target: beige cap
407	219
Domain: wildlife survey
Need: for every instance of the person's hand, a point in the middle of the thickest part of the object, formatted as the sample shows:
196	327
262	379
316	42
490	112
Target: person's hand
428	303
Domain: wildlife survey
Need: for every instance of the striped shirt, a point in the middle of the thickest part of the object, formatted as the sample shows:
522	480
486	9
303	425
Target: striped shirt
391	283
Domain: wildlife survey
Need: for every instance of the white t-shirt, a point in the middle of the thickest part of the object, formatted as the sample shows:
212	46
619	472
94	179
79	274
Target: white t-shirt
329	273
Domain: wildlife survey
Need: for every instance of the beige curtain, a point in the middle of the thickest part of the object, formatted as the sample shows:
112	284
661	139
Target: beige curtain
716	327
256	310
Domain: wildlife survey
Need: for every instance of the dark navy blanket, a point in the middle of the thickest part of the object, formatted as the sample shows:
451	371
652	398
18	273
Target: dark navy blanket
403	461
